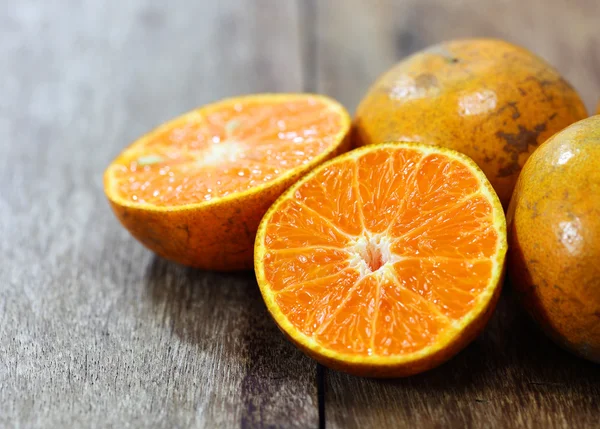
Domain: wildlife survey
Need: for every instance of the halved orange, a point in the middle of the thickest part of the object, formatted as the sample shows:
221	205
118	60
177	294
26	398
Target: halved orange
194	190
385	261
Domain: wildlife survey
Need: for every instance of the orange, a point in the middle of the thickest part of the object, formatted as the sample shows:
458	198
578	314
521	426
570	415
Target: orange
194	189
489	99
554	232
385	261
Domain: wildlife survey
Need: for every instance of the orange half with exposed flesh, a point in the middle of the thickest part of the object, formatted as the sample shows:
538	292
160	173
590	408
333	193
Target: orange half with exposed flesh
194	190
385	261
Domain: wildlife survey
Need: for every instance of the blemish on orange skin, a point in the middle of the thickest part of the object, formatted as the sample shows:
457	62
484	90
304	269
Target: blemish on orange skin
494	101
554	230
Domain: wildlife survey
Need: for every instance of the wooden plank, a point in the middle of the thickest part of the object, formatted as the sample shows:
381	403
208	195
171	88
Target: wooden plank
360	40
511	376
94	330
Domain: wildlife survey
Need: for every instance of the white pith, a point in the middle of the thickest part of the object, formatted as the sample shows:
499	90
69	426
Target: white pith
225	152
368	247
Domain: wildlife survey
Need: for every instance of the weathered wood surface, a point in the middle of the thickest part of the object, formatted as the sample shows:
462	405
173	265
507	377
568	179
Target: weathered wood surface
511	377
97	332
94	330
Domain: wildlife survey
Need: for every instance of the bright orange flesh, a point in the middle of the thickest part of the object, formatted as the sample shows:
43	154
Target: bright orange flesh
225	151
194	190
383	257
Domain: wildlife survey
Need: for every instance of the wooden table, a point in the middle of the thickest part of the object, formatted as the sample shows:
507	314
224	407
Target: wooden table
95	331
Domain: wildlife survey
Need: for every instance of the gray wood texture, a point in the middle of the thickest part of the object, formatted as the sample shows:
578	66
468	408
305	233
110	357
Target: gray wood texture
509	377
95	331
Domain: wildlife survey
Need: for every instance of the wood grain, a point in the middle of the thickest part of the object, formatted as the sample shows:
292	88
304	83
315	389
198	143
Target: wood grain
94	330
511	376
97	332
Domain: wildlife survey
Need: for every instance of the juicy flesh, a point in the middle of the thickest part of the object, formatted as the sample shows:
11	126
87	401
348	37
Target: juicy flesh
380	255
232	149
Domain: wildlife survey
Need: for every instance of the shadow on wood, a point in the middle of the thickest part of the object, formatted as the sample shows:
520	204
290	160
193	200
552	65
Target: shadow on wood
511	376
224	314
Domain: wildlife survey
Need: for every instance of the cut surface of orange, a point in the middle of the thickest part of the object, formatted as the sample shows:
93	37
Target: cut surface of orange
194	189
385	261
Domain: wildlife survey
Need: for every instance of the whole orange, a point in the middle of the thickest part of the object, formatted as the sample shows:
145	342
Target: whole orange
489	99
554	237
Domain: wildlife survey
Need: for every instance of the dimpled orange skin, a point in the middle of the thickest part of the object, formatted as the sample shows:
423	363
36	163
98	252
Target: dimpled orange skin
219	237
489	99
554	237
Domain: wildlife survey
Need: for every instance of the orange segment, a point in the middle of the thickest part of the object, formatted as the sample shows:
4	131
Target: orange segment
459	230
285	268
349	322
308	304
385	261
194	189
406	322
450	285
299	226
344	211
390	180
